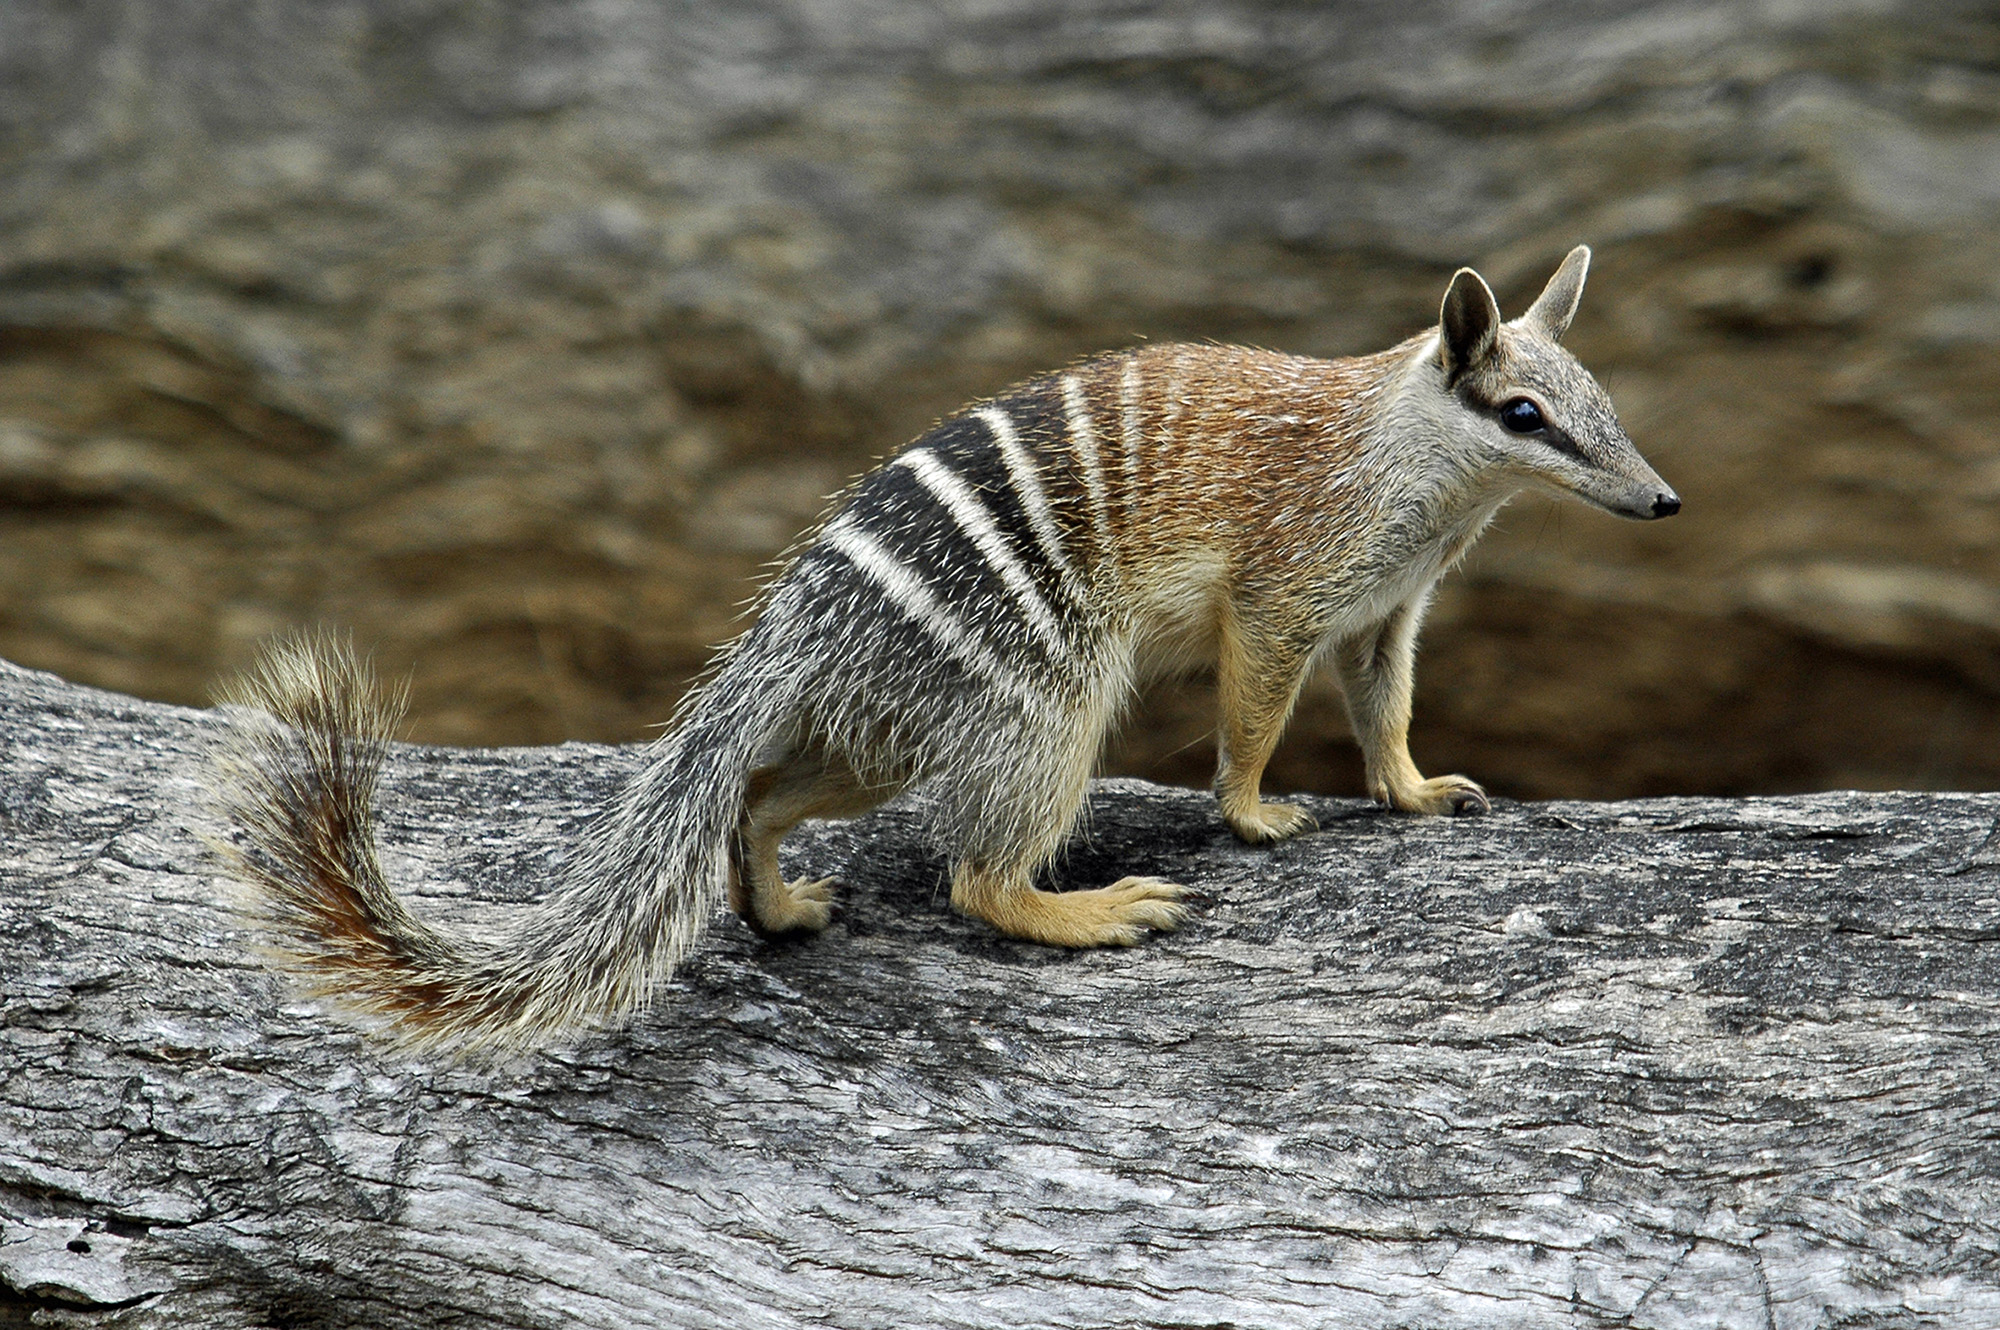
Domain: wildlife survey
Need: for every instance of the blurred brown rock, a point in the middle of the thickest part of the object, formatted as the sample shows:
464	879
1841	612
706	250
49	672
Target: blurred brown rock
518	338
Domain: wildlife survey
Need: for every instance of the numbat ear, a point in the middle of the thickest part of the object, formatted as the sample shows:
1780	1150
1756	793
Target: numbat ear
1556	305
1469	324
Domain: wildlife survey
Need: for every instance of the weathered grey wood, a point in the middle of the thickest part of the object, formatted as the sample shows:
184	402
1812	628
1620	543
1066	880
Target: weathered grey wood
1674	1063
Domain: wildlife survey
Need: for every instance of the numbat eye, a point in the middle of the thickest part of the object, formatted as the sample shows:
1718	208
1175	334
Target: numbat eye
1522	416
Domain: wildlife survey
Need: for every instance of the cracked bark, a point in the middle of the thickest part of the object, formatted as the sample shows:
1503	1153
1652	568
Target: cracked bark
1687	1062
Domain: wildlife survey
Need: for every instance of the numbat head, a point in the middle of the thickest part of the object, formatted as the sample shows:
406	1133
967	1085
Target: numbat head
1536	414
971	620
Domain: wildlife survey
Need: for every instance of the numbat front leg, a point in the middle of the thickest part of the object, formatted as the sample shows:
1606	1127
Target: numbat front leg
1258	674
1376	674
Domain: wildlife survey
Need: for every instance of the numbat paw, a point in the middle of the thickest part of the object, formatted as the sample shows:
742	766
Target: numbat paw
1451	796
1269	822
804	906
1115	916
1132	905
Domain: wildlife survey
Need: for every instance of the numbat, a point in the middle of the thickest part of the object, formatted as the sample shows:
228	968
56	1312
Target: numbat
972	618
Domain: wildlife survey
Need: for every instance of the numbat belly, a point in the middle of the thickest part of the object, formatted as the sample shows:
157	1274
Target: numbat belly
973	617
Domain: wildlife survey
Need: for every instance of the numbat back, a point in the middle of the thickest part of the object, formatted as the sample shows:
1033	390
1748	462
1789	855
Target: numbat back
972	619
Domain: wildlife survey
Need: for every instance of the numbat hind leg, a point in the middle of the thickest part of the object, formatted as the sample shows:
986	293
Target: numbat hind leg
1113	916
776	800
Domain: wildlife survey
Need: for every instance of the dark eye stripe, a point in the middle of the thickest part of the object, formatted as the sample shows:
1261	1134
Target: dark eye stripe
1551	434
1520	416
1563	444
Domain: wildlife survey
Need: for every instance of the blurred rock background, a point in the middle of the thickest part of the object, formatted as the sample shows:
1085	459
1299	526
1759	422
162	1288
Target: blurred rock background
517	337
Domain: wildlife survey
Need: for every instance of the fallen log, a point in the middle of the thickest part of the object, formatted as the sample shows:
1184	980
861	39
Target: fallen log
1664	1063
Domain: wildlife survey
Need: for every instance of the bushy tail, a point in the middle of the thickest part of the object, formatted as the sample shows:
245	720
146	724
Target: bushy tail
298	782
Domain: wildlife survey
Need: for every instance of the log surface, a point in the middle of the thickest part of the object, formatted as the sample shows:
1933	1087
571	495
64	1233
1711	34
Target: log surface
1666	1063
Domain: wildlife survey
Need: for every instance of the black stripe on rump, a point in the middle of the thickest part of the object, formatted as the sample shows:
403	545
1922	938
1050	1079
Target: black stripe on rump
872	662
1042	422
918	531
967	447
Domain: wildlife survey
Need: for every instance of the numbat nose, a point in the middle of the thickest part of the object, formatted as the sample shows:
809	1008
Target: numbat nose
1667	504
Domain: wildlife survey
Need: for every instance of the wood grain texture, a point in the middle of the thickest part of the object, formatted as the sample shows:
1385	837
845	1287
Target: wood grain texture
1671	1063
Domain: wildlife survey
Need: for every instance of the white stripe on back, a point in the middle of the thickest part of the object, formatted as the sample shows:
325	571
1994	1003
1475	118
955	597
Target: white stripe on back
977	523
1083	440
1169	417
1128	415
1028	484
908	593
